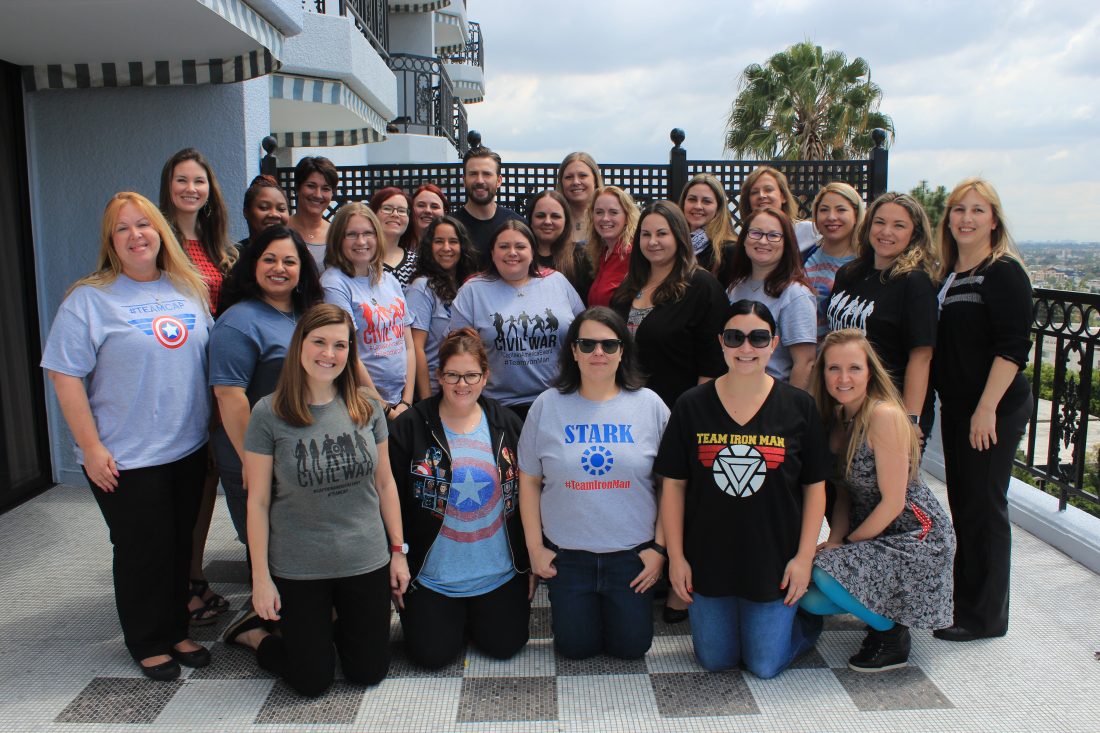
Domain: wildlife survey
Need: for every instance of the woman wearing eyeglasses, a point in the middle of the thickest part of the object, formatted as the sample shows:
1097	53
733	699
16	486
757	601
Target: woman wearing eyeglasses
588	495
766	267
393	207
454	458
356	281
744	460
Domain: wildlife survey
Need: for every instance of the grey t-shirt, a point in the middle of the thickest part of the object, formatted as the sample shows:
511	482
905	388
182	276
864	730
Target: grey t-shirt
140	348
247	347
325	520
596	461
795	314
522	329
431	315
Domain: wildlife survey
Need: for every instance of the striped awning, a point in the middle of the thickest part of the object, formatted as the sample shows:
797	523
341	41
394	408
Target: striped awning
173	72
331	92
468	86
426	6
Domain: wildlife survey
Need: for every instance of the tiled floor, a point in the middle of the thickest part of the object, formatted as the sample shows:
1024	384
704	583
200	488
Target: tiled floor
63	667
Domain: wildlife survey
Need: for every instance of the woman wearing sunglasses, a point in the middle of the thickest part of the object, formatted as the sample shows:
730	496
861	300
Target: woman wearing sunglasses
766	267
588	495
454	458
744	461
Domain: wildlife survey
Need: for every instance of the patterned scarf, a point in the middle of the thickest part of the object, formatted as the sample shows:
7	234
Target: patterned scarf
699	241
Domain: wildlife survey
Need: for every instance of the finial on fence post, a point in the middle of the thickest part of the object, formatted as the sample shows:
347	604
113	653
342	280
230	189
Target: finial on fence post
879	164
268	165
677	161
474	138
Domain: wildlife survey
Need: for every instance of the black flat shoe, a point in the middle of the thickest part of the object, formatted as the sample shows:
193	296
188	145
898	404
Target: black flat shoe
198	658
162	672
674	615
958	633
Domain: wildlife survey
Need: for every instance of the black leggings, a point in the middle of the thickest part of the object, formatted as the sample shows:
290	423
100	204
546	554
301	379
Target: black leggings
151	515
305	656
436	626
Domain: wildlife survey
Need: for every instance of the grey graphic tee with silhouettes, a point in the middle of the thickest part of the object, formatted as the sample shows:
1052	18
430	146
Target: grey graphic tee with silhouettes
325	519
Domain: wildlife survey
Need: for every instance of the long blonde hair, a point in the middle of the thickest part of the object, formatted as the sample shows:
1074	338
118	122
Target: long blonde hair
171	259
1003	243
719	230
595	246
880	390
290	402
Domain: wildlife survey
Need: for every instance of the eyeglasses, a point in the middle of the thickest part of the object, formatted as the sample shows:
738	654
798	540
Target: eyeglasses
758	337
470	378
761	234
608	346
356	236
391	210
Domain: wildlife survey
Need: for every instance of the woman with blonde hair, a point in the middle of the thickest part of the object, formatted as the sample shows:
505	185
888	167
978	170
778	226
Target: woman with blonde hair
324	524
578	181
612	221
982	345
356	280
767	187
707	211
888	556
127	358
838	215
887	294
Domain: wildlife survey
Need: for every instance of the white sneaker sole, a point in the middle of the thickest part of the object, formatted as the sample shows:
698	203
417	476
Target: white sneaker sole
874	670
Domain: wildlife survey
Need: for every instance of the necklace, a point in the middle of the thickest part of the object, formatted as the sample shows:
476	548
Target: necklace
755	288
292	316
154	294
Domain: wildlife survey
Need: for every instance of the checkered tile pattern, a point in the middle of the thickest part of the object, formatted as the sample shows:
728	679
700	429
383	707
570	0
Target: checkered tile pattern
63	667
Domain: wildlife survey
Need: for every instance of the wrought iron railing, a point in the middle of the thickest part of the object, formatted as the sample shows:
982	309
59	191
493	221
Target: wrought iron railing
371	18
473	54
645	182
426	102
1064	384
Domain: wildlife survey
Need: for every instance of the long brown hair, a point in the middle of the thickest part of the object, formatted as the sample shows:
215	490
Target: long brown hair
171	259
787	271
917	255
212	222
673	287
719	229
334	241
290	402
744	205
880	389
562	250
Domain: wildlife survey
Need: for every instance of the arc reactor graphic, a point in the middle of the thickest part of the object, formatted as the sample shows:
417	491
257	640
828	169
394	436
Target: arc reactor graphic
739	470
597	460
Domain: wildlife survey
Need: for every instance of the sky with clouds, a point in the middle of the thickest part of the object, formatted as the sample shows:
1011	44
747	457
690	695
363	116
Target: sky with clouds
1007	90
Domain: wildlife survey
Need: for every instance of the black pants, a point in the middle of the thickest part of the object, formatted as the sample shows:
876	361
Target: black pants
436	626
977	491
305	655
151	516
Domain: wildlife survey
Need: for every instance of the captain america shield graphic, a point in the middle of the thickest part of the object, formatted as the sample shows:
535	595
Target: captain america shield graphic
169	332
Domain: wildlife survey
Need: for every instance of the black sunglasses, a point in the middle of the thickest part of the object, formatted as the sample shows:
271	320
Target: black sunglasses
609	346
758	337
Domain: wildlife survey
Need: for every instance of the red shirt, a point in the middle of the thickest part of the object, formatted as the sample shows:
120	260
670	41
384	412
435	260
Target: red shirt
611	271
211	274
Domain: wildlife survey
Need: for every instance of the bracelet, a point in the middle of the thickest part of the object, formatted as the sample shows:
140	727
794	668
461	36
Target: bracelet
915	419
403	402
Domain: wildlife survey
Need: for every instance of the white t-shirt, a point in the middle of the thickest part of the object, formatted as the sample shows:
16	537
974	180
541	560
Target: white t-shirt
380	320
140	348
596	460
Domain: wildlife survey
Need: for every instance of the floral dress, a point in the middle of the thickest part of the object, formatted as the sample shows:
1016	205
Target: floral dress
904	574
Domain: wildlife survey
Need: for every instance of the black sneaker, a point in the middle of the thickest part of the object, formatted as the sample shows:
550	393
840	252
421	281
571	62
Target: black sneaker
882	651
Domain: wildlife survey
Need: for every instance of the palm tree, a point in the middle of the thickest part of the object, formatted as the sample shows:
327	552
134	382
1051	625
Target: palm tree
808	104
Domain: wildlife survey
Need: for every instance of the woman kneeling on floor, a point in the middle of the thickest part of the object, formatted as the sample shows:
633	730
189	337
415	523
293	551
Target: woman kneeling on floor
319	491
889	555
454	457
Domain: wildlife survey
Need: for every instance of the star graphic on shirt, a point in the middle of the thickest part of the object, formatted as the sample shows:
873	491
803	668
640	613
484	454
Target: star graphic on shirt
468	489
170	330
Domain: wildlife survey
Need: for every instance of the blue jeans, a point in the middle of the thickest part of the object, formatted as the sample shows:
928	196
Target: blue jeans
229	466
593	608
763	637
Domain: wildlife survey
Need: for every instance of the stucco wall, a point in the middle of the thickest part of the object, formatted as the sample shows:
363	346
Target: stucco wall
84	145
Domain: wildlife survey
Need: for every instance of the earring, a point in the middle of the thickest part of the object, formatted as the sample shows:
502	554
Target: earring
206	208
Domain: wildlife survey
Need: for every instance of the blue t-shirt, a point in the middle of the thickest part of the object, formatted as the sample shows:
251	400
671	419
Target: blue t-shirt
470	556
380	318
522	328
821	273
247	347
432	315
140	348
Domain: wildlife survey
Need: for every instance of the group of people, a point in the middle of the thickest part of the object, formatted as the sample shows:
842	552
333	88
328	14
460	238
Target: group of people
439	406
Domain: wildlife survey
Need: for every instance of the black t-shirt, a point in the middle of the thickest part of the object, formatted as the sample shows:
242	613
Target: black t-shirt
743	508
482	230
897	315
986	312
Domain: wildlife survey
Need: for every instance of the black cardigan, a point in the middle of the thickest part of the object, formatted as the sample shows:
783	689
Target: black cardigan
678	340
